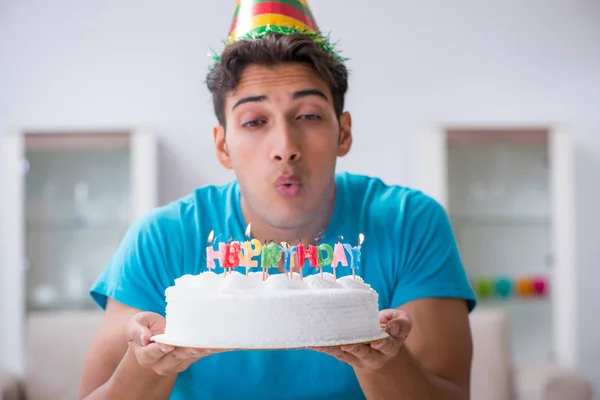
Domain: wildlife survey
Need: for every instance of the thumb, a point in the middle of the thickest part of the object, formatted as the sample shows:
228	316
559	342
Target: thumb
396	322
142	326
386	316
144	337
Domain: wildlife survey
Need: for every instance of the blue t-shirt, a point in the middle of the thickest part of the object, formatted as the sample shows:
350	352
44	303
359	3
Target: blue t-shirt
409	253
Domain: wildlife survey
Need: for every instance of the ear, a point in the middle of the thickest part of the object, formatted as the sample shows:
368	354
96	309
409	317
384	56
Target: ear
345	142
221	146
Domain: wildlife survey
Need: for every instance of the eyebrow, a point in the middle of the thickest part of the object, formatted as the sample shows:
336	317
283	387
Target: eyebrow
309	92
297	95
250	99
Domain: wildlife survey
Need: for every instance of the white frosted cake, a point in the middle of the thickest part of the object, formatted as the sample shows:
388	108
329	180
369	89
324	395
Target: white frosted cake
238	311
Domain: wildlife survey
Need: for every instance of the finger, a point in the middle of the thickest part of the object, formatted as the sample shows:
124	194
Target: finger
388	347
400	326
148	355
176	361
387	315
205	351
341	355
364	353
142	326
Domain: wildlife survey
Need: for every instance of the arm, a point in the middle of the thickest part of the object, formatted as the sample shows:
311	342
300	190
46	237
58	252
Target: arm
435	360
111	369
122	362
427	357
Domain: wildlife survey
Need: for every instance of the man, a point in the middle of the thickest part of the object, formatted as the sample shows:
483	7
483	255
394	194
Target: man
279	100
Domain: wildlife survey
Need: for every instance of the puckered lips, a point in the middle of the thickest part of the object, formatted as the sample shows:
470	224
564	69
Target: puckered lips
288	186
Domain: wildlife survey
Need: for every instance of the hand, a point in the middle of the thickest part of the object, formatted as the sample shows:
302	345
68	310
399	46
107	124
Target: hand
162	359
376	355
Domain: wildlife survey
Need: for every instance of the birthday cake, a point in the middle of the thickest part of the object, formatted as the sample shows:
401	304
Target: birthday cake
251	311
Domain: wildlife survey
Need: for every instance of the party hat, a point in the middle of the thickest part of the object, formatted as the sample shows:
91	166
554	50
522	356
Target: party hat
254	19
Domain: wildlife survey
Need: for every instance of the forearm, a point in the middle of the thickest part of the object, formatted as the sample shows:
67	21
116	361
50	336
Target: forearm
131	381
404	378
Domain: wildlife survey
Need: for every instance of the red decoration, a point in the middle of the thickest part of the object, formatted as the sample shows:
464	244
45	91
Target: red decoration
311	254
232	255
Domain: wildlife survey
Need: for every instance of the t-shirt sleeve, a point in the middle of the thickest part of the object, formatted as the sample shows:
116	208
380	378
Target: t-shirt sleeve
430	264
137	274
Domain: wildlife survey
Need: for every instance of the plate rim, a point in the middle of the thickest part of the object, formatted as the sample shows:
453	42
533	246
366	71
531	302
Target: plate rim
162	339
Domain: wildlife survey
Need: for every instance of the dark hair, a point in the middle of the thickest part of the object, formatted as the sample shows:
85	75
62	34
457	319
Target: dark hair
274	49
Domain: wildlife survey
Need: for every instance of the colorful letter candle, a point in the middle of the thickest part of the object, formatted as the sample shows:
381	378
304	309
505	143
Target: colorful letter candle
288	258
355	254
339	256
232	255
250	249
311	254
270	258
293	261
212	254
328	258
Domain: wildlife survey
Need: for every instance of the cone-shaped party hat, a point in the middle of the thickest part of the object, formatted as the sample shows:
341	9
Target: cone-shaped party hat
253	19
253	15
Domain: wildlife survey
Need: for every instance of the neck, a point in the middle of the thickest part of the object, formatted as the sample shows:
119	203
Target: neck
309	235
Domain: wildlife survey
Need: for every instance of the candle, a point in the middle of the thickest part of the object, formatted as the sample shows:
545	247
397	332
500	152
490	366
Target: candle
232	255
212	254
339	256
310	253
250	249
355	254
327	260
293	262
270	258
288	259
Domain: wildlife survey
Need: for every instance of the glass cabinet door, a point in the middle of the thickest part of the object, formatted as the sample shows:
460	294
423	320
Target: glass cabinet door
499	206
77	209
509	193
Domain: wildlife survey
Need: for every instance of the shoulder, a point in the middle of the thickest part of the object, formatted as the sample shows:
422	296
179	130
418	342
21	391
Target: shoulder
185	211
382	200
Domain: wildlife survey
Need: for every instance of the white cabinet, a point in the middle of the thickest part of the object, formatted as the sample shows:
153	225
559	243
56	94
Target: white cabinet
509	194
67	200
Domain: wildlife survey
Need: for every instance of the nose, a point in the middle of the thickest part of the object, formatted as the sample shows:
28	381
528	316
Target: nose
286	148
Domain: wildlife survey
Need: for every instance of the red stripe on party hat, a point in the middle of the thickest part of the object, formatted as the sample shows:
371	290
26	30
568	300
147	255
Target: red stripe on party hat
247	10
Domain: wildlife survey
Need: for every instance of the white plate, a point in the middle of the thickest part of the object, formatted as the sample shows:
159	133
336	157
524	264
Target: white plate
163	339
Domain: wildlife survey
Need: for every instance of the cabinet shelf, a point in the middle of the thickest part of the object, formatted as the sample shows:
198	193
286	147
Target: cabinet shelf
77	224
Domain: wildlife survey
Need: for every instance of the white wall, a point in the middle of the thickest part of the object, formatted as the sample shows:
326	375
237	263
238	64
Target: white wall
115	63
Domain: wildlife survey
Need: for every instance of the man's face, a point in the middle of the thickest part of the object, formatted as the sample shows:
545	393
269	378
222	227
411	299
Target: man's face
282	141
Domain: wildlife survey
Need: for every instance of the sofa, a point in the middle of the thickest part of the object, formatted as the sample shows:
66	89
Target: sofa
57	343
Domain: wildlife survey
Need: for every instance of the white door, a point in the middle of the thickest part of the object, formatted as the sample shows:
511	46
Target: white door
562	192
12	254
432	170
144	172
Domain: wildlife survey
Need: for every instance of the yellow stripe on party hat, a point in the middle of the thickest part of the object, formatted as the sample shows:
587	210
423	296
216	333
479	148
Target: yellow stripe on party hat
254	19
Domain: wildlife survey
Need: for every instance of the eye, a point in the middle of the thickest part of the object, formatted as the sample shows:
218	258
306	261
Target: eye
310	117
254	123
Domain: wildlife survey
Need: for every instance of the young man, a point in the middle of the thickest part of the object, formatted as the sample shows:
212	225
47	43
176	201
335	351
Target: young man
279	100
